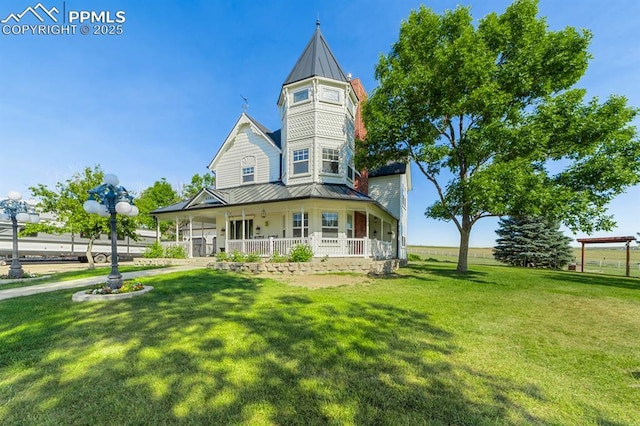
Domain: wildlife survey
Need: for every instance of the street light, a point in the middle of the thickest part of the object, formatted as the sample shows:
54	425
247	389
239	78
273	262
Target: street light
106	200
16	210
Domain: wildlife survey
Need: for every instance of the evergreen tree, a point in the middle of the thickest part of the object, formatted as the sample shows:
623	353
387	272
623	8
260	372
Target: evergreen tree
532	242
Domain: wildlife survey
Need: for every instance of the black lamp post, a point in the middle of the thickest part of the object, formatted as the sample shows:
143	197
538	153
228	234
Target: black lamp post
106	200
16	210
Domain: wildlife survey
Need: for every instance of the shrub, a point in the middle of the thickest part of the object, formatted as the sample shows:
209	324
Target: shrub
301	253
413	257
175	252
237	256
153	251
252	257
278	258
223	256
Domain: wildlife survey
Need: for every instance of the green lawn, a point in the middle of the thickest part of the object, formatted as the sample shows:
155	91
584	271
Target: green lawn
496	346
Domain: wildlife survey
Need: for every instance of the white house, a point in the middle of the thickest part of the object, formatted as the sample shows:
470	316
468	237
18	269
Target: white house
275	189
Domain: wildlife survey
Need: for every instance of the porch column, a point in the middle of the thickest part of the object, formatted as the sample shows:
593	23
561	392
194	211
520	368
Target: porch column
177	229
226	228
367	243
190	237
157	232
243	233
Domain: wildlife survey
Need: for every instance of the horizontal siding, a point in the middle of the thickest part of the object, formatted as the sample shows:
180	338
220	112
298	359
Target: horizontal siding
386	191
247	143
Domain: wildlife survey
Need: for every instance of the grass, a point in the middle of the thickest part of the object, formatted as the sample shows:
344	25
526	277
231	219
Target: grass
495	346
598	258
71	275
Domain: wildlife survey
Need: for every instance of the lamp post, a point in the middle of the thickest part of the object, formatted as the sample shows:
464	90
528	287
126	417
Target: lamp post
106	200
16	210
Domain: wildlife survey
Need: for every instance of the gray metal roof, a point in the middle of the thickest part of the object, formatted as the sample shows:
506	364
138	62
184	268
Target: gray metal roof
268	192
389	169
316	60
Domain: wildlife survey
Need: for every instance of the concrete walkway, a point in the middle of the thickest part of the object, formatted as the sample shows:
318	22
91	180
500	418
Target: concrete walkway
85	282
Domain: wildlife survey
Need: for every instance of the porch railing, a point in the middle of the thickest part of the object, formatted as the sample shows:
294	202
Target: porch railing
331	247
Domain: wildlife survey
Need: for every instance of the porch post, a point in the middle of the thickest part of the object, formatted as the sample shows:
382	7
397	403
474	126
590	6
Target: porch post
190	237
227	230
157	231
243	233
177	229
367	245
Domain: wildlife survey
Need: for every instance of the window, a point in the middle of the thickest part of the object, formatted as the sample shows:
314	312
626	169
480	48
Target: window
248	174
301	95
330	160
301	161
331	95
329	225
300	225
236	227
119	237
349	226
350	173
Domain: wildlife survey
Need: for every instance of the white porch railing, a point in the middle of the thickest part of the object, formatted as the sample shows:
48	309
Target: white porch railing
331	247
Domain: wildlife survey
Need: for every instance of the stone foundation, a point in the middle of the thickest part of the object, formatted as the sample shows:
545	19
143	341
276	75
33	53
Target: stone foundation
363	266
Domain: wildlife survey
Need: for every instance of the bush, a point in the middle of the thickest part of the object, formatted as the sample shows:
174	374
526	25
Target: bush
413	257
223	256
252	257
237	256
175	252
153	251
301	253
278	258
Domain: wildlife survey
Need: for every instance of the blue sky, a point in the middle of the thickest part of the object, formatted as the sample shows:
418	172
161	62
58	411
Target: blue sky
159	99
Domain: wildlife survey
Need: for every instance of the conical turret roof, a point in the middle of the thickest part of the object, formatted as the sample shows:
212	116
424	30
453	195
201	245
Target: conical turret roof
316	60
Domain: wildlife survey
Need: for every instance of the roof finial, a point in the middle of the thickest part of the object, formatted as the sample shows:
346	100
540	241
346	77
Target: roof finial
318	21
245	106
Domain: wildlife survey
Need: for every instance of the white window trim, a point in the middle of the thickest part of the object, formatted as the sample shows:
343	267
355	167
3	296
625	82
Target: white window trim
303	228
242	175
323	227
336	161
302	101
323	98
293	162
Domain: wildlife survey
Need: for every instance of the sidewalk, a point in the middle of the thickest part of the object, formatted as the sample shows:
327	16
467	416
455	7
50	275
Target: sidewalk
85	282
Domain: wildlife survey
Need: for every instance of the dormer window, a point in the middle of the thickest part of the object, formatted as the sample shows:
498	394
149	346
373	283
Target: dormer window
301	161
330	159
300	95
248	174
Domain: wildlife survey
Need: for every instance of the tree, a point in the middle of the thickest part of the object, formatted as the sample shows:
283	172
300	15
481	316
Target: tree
66	202
198	182
489	116
532	242
160	194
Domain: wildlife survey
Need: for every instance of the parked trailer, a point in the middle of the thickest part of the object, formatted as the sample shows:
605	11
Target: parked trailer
70	246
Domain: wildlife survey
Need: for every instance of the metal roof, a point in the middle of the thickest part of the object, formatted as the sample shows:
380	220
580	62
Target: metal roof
268	192
316	60
389	169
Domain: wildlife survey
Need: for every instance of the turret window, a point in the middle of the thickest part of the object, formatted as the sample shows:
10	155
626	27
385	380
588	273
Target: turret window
300	95
301	161
330	160
300	225
330	95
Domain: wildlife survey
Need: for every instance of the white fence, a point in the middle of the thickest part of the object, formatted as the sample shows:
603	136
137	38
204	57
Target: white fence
321	247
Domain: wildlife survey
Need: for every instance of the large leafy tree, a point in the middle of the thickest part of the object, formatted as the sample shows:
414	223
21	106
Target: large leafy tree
65	201
160	194
198	182
489	115
532	241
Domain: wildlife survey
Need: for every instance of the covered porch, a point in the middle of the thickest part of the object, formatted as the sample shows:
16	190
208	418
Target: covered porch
334	224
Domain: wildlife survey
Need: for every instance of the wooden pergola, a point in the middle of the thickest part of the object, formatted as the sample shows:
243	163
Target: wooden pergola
607	240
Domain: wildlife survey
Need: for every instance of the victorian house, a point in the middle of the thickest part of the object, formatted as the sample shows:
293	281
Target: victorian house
298	184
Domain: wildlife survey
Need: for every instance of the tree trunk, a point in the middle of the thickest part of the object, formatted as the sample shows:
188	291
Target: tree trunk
89	254
463	251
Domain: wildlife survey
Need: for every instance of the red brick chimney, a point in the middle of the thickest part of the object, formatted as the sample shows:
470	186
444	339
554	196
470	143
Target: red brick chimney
361	183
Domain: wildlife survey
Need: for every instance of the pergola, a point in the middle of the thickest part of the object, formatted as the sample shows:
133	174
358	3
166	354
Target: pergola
607	240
